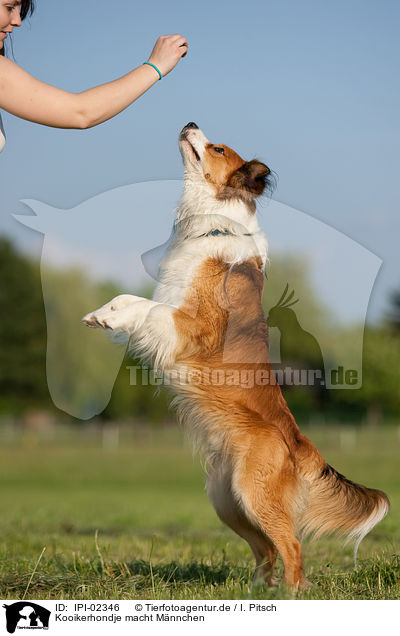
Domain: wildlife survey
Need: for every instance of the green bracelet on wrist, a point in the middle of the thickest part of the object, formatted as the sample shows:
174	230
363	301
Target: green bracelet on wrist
155	67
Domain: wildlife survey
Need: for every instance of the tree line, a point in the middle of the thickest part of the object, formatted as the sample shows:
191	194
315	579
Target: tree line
24	339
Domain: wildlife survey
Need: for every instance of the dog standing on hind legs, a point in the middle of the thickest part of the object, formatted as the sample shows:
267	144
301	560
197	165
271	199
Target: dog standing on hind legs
265	479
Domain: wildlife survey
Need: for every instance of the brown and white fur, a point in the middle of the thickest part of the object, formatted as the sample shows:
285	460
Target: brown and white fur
265	479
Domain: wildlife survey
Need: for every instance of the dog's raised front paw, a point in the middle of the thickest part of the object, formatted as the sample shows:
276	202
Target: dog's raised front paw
104	320
90	320
103	317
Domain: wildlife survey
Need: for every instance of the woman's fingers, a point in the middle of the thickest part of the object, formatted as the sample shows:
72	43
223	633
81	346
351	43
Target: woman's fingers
181	42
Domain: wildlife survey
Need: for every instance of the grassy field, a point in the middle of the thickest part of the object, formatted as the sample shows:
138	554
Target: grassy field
131	520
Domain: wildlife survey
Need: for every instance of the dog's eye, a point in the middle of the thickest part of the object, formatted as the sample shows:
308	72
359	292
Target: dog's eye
220	150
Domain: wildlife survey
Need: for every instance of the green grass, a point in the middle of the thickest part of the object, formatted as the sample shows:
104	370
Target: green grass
135	522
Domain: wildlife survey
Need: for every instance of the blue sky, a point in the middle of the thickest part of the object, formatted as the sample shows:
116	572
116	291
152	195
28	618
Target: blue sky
308	86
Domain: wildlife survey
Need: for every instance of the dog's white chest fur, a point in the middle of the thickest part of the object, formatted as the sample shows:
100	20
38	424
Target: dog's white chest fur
186	254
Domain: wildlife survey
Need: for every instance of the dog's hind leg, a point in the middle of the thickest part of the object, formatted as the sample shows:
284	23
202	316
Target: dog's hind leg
266	483
229	511
278	526
264	551
282	533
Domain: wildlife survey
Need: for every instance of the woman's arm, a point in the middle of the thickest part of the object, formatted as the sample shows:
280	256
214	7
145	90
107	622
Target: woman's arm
24	96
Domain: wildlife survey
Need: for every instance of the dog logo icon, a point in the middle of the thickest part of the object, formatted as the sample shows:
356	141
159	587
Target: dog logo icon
26	615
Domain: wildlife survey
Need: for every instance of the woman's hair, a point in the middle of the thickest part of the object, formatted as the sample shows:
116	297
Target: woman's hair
27	7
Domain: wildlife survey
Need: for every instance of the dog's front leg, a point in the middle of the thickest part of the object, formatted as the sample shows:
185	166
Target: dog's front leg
158	333
147	324
123	319
155	339
98	317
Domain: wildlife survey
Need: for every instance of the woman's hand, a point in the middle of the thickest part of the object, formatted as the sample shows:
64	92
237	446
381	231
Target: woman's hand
167	52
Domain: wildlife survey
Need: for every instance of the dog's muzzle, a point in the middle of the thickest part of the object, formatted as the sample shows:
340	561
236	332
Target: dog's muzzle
190	126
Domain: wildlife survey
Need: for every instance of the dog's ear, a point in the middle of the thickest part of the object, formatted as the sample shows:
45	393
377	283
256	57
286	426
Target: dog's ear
251	177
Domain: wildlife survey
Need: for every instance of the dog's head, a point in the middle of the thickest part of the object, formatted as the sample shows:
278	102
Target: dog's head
220	168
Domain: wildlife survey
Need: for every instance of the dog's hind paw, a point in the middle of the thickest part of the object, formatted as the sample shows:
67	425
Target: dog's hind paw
304	584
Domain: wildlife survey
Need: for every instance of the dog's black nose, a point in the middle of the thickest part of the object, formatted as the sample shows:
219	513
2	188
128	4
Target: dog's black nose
191	124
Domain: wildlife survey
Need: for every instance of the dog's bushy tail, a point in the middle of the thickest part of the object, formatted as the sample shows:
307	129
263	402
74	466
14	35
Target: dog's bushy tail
336	504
